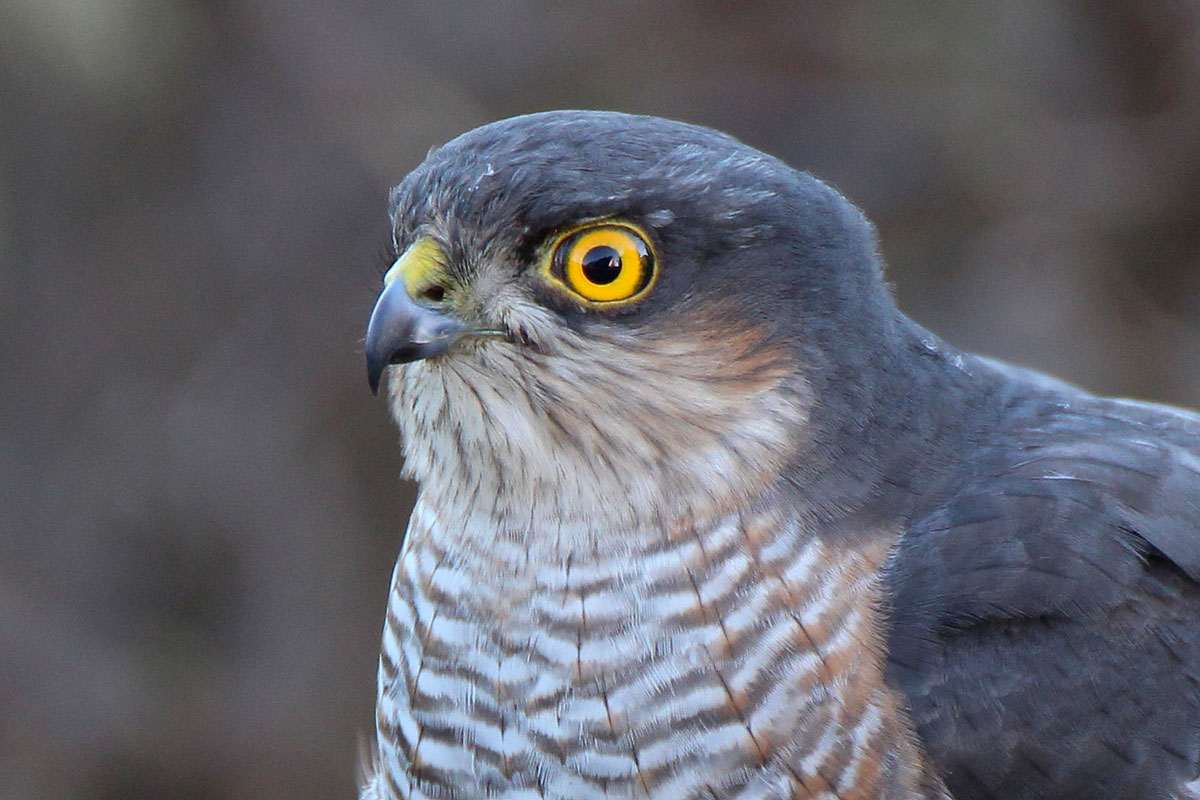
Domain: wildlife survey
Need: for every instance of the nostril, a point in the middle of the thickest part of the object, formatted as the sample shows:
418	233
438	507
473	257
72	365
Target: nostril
433	294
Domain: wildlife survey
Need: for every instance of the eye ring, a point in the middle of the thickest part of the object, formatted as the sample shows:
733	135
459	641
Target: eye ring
604	264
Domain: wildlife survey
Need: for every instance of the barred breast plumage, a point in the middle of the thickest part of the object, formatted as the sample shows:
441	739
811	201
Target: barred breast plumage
732	660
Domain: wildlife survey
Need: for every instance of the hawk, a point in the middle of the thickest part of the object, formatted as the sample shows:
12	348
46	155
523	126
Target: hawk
703	515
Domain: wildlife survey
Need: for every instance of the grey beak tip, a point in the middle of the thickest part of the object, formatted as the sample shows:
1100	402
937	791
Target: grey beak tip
374	373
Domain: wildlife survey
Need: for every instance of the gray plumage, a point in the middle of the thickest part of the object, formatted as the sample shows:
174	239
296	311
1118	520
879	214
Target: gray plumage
1046	608
1039	608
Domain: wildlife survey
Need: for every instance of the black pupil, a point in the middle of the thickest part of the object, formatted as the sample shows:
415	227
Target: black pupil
602	264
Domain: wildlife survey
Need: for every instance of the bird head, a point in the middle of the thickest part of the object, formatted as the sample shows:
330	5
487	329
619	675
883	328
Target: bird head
602	317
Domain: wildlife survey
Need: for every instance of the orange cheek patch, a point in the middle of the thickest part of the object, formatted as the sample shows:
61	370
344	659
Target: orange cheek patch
736	358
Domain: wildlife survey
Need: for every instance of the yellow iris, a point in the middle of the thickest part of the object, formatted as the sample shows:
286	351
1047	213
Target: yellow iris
606	263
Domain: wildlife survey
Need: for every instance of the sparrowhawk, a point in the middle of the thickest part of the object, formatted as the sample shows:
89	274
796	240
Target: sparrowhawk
703	515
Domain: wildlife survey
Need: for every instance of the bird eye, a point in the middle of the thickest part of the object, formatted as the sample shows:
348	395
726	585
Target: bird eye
606	263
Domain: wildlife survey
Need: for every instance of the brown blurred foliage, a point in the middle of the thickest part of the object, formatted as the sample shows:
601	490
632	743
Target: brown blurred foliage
201	500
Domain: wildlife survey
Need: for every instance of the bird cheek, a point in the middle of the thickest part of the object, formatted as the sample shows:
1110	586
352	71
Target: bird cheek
491	302
475	301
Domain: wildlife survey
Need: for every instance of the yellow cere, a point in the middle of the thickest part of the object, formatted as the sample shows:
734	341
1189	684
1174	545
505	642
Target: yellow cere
607	263
421	266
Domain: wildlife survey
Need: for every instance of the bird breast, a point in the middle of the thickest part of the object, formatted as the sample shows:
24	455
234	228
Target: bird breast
722	662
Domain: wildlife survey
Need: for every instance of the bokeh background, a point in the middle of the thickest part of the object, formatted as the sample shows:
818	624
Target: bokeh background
199	499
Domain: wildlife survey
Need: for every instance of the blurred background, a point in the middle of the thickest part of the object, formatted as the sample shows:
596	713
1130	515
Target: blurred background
199	498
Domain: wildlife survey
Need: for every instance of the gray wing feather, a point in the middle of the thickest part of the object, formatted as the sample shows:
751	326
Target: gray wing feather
1046	616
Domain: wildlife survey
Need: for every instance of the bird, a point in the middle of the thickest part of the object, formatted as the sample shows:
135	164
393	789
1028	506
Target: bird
703	514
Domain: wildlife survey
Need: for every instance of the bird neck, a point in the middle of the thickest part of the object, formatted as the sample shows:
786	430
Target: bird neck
553	461
889	432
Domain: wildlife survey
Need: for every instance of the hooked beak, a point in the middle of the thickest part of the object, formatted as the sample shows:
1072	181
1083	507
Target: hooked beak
400	331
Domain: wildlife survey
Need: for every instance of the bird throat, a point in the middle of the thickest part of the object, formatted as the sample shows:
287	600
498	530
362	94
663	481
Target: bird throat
601	434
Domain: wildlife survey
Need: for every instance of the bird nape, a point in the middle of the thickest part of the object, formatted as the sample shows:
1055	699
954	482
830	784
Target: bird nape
703	515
